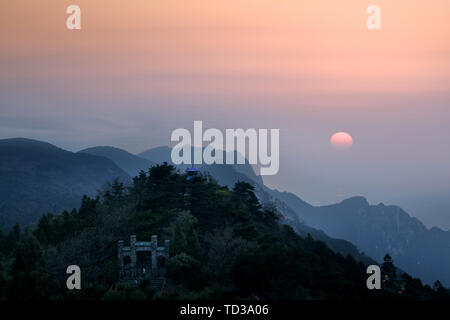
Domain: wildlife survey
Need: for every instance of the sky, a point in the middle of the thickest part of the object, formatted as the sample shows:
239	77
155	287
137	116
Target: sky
137	70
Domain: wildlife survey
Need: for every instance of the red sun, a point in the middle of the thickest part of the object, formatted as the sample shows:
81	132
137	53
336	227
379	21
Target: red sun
341	140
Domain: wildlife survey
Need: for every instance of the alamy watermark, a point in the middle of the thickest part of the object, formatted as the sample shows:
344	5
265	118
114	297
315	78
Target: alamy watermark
74	280
374	20
73	22
256	142
374	280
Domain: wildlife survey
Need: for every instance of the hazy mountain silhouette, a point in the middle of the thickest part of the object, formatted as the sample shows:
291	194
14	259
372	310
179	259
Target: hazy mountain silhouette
377	229
157	155
163	154
130	163
37	177
228	175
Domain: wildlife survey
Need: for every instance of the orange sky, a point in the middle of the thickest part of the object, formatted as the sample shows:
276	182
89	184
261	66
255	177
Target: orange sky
241	47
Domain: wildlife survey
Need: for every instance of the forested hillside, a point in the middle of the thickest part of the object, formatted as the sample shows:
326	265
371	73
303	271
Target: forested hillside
224	245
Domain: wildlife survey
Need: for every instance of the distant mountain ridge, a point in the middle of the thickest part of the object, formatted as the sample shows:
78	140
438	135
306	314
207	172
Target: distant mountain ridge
130	163
158	154
37	177
380	229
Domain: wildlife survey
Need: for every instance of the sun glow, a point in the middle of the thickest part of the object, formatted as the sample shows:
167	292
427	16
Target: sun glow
341	140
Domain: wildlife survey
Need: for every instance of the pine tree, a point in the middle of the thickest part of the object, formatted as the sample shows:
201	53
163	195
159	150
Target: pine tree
12	239
244	192
28	275
193	244
179	243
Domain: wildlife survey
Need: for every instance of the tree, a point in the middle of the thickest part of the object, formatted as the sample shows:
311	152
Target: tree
28	275
245	208
441	291
115	195
138	190
88	211
244	192
201	200
270	213
183	269
43	232
179	243
164	189
187	224
11	240
193	244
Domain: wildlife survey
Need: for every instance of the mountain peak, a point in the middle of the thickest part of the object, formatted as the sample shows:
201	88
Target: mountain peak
106	148
130	163
26	143
356	201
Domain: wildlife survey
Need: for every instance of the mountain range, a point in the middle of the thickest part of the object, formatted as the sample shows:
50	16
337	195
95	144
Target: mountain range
377	229
36	177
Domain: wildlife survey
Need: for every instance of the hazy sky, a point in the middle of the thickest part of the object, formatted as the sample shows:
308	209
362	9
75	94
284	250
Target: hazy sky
140	69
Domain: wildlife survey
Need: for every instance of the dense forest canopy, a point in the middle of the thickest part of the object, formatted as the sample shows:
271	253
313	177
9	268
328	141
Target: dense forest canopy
224	245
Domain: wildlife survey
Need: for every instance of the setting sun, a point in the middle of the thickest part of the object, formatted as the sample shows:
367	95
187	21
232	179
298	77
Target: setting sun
341	140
